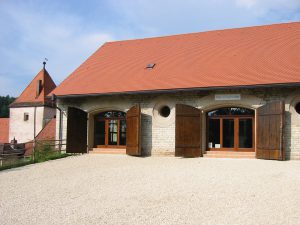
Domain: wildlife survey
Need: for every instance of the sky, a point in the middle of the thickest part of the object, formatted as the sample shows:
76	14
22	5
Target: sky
68	32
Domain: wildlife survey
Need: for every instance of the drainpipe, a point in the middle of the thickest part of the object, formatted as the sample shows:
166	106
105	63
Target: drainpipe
53	99
34	123
34	132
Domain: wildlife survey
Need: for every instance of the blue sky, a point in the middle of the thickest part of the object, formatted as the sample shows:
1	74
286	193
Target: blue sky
67	32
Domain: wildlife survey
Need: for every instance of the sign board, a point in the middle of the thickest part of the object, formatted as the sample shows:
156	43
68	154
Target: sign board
222	97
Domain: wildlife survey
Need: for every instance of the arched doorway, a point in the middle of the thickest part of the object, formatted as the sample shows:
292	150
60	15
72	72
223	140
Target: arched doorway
230	129
110	129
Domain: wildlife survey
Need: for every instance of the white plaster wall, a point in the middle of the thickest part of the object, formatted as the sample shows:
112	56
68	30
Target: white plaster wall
22	130
158	134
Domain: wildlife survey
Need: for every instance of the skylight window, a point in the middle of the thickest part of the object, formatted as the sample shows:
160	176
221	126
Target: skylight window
150	66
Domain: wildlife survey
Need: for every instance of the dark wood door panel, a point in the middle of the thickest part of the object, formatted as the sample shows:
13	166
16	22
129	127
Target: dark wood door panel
133	135
76	131
188	131
270	124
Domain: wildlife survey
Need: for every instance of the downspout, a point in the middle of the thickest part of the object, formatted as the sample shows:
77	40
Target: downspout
34	133
59	129
53	99
34	124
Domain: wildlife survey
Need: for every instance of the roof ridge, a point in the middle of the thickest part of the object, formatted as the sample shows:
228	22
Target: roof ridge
200	32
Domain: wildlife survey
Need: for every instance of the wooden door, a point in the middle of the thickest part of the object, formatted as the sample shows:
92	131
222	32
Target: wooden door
133	135
76	131
187	131
270	124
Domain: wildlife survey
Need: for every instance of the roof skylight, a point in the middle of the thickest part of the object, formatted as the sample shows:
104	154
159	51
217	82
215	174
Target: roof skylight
150	66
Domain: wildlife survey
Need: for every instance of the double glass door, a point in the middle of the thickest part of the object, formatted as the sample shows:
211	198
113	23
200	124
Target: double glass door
231	131
116	132
110	130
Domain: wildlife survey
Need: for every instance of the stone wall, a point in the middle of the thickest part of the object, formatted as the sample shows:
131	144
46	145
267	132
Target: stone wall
158	133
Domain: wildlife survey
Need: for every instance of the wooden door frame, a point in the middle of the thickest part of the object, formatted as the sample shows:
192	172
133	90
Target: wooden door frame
236	119
106	122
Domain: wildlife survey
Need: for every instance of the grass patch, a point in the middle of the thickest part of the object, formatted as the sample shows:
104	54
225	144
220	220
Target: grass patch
43	152
14	163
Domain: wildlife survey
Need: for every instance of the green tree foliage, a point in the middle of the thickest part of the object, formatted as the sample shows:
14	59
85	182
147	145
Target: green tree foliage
5	101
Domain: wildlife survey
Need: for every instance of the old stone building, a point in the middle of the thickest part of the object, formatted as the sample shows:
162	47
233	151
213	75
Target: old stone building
229	92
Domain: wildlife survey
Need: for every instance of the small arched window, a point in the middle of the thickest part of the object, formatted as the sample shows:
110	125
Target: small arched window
297	107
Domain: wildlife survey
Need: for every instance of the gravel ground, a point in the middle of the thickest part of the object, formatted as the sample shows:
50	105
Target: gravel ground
114	189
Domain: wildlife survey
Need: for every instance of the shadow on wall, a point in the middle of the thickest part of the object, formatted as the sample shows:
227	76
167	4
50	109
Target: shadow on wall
287	138
146	135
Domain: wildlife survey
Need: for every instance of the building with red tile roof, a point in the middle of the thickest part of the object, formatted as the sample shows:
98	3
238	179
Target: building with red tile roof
223	93
31	111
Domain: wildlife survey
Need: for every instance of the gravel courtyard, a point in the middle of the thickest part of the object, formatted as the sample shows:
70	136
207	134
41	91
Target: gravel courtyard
114	189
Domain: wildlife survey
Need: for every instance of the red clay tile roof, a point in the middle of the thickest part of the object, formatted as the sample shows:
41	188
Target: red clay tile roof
4	130
29	97
234	57
48	132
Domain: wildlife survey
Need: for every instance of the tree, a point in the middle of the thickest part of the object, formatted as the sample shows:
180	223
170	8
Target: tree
5	101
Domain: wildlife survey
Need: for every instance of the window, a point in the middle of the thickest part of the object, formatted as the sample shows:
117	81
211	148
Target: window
231	111
165	111
38	88
297	107
26	116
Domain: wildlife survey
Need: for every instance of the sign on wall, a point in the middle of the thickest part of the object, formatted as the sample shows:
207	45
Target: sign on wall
222	97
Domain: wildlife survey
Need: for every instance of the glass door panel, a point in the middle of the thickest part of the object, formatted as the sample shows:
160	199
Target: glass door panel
99	138
214	133
228	133
113	132
122	132
245	133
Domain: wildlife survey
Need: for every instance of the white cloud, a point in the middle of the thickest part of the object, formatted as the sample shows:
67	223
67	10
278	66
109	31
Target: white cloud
62	38
246	3
177	16
263	7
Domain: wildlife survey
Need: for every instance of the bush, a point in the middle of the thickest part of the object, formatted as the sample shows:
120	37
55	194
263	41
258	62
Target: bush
46	151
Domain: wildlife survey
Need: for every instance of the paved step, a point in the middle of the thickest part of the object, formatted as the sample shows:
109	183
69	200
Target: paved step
108	151
229	154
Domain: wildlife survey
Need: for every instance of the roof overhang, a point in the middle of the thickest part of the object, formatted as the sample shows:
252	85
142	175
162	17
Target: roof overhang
30	104
162	91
